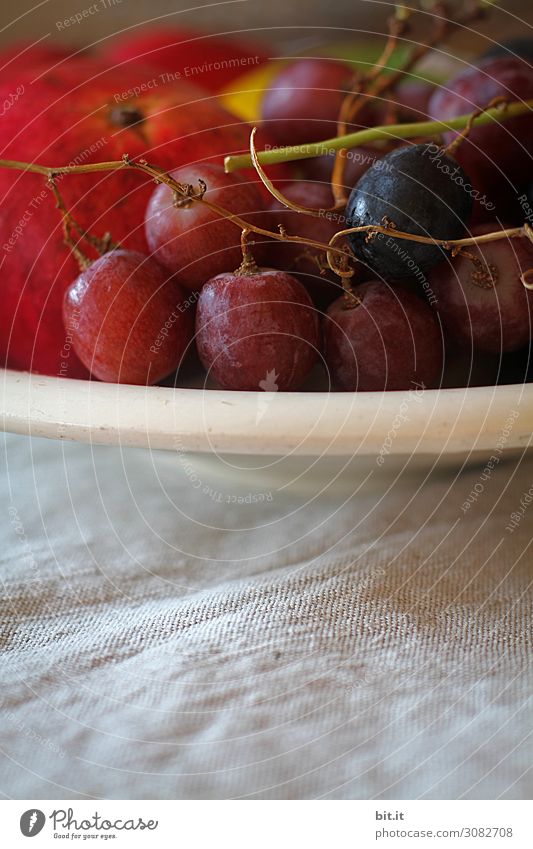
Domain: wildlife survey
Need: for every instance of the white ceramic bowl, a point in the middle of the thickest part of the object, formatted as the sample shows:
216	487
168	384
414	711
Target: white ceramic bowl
279	437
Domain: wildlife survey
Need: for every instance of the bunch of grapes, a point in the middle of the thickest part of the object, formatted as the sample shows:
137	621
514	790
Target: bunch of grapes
381	307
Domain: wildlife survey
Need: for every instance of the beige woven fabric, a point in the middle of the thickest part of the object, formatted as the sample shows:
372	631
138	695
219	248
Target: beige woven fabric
157	643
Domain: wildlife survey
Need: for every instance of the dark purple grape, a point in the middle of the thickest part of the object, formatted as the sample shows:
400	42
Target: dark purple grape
417	189
390	340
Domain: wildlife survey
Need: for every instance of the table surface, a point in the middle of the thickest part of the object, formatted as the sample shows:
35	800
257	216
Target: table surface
161	640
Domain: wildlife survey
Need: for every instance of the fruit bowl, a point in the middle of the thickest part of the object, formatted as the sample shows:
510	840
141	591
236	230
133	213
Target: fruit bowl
219	267
277	438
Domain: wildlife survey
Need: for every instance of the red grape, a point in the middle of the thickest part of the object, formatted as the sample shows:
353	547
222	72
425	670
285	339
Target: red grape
389	340
406	104
494	319
257	330
304	99
358	160
129	322
302	260
192	241
410	103
495	155
413	99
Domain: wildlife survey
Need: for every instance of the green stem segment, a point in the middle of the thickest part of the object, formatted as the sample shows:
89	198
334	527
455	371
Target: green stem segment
391	131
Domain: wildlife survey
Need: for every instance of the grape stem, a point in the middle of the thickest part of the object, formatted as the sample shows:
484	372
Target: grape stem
182	191
453	245
352	103
453	146
341	269
248	265
186	192
269	185
380	84
70	224
511	233
363	137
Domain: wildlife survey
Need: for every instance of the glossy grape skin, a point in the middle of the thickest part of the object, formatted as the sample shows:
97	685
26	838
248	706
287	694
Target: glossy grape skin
194	242
301	260
389	341
257	331
492	320
495	156
415	188
303	101
128	321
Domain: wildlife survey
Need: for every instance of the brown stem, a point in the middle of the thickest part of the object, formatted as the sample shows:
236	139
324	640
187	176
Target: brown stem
397	24
161	176
453	245
248	265
448	244
101	245
269	185
443	28
527	278
351	300
338	189
452	147
69	224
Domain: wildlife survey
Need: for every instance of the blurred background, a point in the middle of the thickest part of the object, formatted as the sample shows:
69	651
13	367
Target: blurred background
292	22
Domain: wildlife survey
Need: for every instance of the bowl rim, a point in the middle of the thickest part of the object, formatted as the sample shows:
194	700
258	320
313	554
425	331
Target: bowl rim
416	421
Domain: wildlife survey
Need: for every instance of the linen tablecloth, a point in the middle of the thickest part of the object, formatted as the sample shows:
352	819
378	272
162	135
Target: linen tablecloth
159	641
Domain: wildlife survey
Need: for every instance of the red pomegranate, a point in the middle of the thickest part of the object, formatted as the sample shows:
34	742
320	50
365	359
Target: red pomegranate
206	59
80	113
